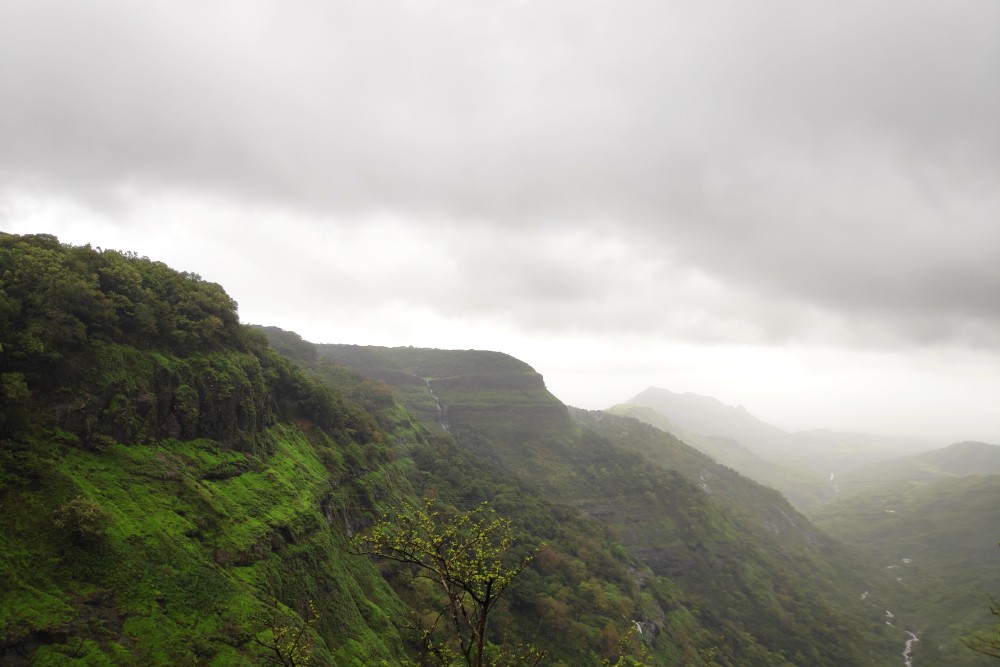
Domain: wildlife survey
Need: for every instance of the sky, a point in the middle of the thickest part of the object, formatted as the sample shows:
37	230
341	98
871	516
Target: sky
789	206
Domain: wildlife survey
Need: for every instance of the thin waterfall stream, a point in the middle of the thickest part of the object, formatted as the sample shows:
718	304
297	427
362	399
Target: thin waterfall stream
908	649
911	637
442	409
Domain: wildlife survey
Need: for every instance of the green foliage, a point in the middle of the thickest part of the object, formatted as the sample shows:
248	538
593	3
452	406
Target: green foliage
290	640
199	536
55	298
467	557
83	522
289	344
627	648
164	473
177	492
13	387
719	569
934	540
986	643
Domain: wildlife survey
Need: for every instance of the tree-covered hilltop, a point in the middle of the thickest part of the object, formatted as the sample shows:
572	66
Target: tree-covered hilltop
173	490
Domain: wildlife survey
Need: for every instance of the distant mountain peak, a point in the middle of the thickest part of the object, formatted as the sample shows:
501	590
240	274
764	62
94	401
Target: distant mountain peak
822	451
706	414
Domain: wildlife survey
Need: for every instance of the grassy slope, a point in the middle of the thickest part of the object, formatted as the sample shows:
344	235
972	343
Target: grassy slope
578	596
189	559
765	560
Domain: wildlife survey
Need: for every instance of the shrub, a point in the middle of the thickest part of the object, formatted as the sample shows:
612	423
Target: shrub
82	521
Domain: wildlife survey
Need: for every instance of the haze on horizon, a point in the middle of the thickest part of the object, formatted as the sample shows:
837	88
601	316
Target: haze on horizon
790	207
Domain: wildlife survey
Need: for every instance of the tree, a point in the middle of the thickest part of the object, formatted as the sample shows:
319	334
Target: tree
289	640
467	557
985	642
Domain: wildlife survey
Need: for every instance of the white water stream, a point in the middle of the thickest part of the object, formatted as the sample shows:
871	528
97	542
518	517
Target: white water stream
441	408
908	649
890	618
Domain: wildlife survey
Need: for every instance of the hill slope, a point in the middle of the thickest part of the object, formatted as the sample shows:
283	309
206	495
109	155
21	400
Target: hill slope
177	492
930	519
937	540
803	488
174	491
735	552
958	460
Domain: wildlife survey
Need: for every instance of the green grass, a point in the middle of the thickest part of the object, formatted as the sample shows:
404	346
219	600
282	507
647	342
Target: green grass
186	563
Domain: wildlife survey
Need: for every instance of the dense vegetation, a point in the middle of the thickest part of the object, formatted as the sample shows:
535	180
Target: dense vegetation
173	490
936	538
757	584
176	491
926	520
179	488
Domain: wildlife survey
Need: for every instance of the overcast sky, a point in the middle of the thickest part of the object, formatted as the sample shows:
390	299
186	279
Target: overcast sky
794	206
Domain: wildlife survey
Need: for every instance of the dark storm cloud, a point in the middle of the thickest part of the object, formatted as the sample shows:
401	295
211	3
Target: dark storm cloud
843	156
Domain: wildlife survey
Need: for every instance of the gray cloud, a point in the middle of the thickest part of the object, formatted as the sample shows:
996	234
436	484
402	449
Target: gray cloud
840	159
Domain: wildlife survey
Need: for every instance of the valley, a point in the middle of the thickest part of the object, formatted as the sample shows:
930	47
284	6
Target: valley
925	513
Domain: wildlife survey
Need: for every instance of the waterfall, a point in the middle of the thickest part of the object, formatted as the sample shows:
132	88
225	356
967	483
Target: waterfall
442	409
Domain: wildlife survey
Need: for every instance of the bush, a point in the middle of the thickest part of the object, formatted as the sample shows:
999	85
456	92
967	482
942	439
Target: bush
82	521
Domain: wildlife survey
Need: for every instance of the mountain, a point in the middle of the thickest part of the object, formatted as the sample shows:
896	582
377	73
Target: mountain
803	488
963	458
173	490
728	549
822	452
958	460
181	488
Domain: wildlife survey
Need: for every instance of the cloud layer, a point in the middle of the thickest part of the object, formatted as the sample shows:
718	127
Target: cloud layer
718	172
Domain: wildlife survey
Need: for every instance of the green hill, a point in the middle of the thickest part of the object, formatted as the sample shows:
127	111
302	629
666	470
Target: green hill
960	459
734	553
173	491
179	488
177	492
